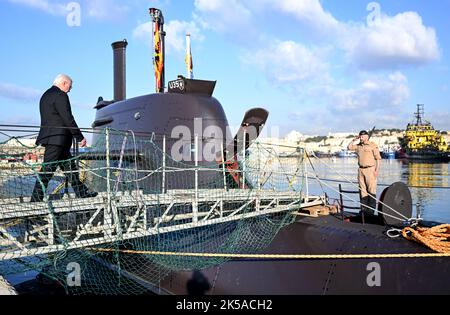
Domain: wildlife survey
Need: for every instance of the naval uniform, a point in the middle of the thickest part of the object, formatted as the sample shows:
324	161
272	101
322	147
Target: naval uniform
368	155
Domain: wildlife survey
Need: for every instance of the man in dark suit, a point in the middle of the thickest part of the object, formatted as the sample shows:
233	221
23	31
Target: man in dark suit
58	129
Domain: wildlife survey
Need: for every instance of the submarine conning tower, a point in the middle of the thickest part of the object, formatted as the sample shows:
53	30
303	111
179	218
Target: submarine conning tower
185	109
180	103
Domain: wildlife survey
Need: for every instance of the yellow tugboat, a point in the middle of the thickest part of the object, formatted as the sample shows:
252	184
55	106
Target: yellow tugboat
422	141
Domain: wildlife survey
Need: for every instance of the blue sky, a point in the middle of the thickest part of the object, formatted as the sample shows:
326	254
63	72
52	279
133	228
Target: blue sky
317	66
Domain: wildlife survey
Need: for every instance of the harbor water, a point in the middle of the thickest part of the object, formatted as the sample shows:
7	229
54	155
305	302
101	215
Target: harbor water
429	183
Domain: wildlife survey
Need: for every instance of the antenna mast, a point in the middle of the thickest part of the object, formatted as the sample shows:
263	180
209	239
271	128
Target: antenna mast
419	114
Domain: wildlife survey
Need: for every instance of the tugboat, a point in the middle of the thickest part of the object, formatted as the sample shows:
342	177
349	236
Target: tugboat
423	142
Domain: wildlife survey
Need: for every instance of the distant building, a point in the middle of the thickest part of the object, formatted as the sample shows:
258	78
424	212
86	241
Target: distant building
295	136
15	143
334	142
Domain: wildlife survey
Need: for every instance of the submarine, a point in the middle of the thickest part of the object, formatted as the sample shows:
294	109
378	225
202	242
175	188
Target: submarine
174	118
187	101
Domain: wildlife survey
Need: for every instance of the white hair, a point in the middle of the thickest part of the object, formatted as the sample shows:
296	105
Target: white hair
61	78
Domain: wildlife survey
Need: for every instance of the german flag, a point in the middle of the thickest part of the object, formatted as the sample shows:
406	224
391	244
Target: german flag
188	59
158	58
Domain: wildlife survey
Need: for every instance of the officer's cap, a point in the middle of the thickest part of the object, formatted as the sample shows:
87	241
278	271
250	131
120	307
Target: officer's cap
363	132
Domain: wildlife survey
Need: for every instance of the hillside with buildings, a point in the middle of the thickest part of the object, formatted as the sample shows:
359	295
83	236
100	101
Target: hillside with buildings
333	143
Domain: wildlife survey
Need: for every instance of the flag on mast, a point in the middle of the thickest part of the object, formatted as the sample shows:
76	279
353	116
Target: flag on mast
158	57
188	59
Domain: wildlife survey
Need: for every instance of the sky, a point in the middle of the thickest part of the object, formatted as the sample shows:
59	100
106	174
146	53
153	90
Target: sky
316	66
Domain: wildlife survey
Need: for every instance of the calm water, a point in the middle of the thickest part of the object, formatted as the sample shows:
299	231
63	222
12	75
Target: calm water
429	182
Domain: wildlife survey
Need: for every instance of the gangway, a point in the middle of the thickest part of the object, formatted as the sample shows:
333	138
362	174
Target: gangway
128	217
129	205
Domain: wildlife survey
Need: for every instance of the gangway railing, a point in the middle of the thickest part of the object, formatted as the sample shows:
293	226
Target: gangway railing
144	192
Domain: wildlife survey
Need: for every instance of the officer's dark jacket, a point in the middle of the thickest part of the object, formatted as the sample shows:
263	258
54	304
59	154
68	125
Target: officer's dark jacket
56	113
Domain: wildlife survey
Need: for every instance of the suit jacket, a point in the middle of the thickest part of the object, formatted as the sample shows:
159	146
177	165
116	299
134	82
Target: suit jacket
56	113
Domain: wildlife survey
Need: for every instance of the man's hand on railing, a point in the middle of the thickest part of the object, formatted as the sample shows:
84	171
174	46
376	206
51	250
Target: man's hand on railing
83	143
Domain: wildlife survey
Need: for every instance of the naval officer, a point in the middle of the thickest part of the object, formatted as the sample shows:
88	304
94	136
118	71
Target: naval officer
369	161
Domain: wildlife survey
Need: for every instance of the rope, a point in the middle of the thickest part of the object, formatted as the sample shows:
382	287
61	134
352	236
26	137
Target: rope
359	188
437	238
315	173
275	256
384	185
358	202
394	233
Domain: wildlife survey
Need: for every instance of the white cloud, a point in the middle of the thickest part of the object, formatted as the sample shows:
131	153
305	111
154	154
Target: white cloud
233	16
288	62
321	122
176	34
44	5
440	119
95	9
310	12
106	9
392	42
143	31
19	93
377	101
377	93
368	55
223	15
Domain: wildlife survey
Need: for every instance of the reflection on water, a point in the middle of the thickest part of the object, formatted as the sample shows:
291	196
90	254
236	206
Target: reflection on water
429	182
427	175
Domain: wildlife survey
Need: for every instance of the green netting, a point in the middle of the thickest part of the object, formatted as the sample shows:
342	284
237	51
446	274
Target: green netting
149	200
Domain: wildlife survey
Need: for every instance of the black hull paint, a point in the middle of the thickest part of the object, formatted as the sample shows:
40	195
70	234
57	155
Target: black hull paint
327	235
428	156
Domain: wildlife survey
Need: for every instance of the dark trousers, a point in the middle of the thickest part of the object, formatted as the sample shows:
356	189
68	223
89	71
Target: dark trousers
55	156
368	204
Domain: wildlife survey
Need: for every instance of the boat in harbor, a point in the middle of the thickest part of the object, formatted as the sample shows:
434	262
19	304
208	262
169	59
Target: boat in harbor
388	154
422	142
347	154
243	222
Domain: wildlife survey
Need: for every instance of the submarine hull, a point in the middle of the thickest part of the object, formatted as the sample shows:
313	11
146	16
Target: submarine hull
178	119
325	235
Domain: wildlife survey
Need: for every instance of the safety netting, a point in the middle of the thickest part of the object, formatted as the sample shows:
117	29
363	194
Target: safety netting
111	218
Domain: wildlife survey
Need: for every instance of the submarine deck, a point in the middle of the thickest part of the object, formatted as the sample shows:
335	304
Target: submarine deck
325	235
